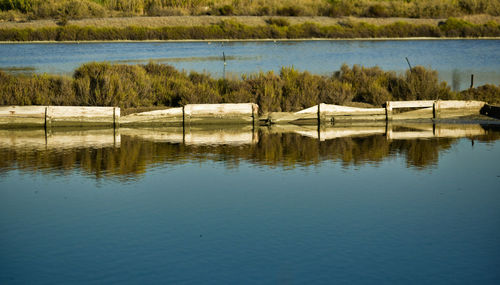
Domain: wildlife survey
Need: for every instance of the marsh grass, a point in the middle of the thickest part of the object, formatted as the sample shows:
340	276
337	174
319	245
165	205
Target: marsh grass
152	85
231	29
75	9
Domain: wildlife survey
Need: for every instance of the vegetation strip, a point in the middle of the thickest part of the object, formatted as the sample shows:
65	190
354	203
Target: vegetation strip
150	85
231	29
77	9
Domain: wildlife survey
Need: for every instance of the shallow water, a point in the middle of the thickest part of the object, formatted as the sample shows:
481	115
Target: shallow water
343	205
455	60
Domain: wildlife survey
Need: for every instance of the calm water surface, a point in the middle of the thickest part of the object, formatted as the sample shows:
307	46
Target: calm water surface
455	60
330	206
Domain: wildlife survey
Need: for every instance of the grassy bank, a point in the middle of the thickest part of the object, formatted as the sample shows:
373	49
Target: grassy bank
275	29
150	85
77	9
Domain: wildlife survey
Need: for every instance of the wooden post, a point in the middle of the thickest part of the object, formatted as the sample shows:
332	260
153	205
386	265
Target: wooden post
319	115
388	111
472	81
435	109
407	60
116	117
48	117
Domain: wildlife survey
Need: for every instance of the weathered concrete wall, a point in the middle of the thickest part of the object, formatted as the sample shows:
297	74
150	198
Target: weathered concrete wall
229	114
432	109
69	116
419	114
22	116
205	114
54	116
161	118
455	108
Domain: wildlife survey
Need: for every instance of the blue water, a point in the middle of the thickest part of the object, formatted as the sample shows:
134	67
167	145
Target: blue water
455	60
200	221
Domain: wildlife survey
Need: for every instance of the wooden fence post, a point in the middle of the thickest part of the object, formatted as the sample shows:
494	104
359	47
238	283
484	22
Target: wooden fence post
388	111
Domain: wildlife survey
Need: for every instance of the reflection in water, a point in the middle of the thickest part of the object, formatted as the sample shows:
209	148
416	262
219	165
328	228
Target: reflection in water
188	59
128	153
455	80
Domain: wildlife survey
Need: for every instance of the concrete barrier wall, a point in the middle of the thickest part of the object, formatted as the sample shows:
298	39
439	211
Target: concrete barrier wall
227	114
49	116
173	117
220	113
82	116
22	116
456	108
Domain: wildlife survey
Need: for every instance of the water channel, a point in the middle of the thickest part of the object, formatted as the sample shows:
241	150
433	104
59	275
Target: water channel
411	203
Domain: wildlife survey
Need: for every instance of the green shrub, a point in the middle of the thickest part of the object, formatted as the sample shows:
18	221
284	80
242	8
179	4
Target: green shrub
292	11
226	10
104	84
377	11
488	93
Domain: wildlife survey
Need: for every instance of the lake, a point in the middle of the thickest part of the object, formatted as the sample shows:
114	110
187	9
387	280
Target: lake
380	204
455	60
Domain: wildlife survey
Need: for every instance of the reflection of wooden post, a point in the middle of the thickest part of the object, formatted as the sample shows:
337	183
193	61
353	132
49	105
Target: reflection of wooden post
388	111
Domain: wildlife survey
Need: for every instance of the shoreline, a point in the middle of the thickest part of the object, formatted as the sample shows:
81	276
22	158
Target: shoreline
256	40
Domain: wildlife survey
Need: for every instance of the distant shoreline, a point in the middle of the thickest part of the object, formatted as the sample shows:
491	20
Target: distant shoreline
253	40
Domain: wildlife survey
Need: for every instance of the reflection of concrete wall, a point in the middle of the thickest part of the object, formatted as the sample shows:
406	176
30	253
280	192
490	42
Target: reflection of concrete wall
330	133
201	136
424	131
196	136
39	139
